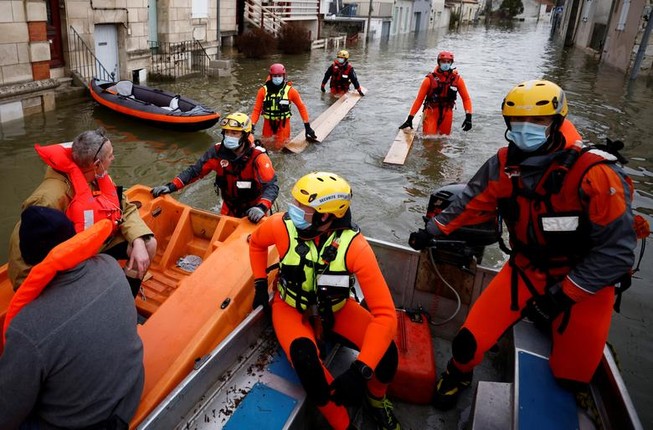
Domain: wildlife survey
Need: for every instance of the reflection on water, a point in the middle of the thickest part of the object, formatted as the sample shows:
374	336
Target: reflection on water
388	201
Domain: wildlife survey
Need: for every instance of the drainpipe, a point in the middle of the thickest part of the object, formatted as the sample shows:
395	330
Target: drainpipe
219	36
369	19
643	44
114	8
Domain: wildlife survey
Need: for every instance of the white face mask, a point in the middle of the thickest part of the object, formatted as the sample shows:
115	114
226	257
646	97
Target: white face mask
277	80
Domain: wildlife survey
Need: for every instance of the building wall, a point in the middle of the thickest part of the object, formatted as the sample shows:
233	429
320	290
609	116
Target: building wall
592	21
619	48
25	84
438	15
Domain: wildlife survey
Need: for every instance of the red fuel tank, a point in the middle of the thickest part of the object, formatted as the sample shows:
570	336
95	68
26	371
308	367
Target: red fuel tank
415	378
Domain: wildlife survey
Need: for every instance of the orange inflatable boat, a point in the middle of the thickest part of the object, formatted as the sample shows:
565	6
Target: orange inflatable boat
187	312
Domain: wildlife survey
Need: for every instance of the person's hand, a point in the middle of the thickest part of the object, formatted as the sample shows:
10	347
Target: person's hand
163	189
360	91
420	239
139	258
322	88
348	389
261	296
467	124
255	213
407	123
310	133
543	309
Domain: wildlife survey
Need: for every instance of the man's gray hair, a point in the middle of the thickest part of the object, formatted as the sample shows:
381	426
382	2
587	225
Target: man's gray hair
87	145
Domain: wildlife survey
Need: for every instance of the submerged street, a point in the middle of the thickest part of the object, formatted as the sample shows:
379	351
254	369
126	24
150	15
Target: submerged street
388	201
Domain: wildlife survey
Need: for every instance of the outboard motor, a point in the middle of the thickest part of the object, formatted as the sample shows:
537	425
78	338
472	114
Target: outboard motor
466	243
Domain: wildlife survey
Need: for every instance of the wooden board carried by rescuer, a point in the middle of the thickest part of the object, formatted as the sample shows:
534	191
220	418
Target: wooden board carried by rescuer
402	143
327	121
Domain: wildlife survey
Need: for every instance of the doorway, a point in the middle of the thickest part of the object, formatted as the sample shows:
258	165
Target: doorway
106	50
53	30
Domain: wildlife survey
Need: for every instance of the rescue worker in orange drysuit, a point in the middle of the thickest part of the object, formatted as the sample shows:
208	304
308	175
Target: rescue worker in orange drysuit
568	212
320	251
438	94
342	75
244	175
273	102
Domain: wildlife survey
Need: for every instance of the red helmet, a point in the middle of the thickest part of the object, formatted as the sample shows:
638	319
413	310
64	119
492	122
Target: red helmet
445	55
277	69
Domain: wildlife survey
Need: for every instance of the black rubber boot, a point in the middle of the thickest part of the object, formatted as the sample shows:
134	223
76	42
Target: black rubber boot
449	386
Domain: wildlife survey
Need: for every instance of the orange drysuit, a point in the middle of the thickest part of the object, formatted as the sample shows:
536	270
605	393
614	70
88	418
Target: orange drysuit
370	331
273	103
438	96
576	231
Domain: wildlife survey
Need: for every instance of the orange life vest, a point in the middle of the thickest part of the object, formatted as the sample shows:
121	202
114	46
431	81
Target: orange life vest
87	206
548	224
340	76
64	256
442	92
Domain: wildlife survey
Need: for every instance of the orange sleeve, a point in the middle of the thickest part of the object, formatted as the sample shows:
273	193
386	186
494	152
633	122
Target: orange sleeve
258	105
464	94
570	133
421	95
294	97
264	168
361	262
272	231
607	196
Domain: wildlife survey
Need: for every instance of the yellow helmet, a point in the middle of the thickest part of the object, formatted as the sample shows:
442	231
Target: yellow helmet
535	98
326	192
236	121
343	53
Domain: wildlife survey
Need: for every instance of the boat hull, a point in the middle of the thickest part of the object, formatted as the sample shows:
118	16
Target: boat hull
152	106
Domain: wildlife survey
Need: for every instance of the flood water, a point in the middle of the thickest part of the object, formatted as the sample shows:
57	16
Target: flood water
388	201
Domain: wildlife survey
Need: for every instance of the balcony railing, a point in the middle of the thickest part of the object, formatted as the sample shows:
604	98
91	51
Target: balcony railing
271	15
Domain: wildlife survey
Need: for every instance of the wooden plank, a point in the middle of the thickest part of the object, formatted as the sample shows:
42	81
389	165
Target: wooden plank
326	122
402	143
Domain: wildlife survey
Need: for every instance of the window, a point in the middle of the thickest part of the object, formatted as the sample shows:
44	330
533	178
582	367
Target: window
621	25
200	9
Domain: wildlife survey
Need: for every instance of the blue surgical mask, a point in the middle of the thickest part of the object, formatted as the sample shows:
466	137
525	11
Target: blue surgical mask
527	136
231	142
277	80
296	215
341	60
445	67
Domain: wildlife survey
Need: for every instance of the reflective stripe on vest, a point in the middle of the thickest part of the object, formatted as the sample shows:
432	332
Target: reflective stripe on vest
333	278
87	206
277	106
64	256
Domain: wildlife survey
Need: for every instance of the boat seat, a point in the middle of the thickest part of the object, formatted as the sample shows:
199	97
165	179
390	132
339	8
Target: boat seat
540	402
174	104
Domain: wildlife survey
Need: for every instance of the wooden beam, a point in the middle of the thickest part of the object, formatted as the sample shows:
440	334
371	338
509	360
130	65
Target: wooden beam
326	122
402	143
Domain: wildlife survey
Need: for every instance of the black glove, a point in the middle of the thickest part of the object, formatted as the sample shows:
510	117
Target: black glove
348	388
310	133
322	88
407	123
255	213
543	309
261	296
420	239
163	189
467	124
360	91
253	128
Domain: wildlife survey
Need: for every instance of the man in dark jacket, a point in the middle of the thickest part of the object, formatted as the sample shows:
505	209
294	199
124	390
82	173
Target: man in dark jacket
72	357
